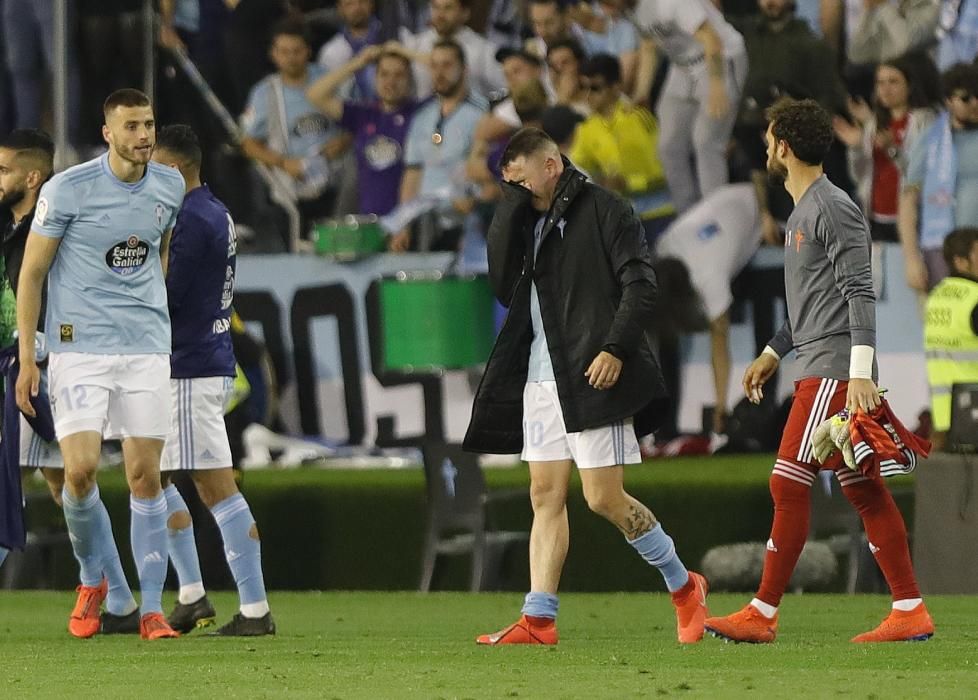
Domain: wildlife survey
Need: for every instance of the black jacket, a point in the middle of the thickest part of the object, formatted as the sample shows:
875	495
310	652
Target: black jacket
594	279
13	245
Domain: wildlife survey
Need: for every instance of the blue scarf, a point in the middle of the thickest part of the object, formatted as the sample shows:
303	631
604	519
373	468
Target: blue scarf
940	181
365	77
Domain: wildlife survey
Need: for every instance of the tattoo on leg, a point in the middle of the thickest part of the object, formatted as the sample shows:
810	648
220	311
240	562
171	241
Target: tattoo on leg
638	521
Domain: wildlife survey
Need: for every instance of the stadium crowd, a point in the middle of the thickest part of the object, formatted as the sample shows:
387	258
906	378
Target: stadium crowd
400	110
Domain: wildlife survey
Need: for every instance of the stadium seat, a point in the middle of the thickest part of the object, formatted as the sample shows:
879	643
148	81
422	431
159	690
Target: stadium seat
459	517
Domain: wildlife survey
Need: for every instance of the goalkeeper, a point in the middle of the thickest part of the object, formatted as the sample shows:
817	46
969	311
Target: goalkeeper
832	328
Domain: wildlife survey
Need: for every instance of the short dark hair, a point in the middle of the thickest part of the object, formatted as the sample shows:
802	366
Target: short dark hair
525	142
958	244
34	144
451	46
181	141
573	45
290	26
805	125
125	97
602	65
960	76
394	54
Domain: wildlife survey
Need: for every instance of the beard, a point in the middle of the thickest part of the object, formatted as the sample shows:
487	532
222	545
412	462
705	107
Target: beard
777	172
448	90
130	154
10	198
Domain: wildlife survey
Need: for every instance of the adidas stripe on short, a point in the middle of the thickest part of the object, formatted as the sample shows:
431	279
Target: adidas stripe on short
198	438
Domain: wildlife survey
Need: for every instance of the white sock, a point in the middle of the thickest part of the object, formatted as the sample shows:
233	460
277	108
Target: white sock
768	611
255	609
191	593
908	604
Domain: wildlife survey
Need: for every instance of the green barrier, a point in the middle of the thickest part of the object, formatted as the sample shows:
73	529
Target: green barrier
434	321
349	238
363	529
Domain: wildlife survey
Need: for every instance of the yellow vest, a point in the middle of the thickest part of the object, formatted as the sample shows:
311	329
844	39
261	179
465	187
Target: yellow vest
950	343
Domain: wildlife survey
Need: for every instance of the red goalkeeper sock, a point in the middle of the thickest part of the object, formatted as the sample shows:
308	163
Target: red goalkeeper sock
887	535
792	512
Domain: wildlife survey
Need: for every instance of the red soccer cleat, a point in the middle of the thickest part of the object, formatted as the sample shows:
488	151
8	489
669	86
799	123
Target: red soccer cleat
154	626
746	625
522	632
901	626
691	610
84	621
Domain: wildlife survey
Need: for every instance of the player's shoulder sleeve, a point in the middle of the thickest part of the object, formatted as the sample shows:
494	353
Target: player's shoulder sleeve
56	207
172	189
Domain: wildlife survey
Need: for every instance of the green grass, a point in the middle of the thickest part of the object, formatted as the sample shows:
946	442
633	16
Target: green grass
407	645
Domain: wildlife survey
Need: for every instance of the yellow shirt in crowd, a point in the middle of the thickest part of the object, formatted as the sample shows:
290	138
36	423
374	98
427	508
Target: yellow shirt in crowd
626	145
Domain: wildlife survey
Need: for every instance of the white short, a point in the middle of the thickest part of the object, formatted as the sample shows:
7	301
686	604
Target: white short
545	439
198	438
35	452
120	396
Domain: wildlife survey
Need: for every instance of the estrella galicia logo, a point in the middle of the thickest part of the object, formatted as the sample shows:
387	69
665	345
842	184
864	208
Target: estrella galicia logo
127	256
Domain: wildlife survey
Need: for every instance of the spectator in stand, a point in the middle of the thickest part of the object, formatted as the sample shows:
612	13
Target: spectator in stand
957	32
940	186
379	127
287	133
616	145
360	29
560	123
886	30
784	58
249	25
880	139
28	35
505	23
448	23
604	29
438	143
520	68
564	59
698	106
550	23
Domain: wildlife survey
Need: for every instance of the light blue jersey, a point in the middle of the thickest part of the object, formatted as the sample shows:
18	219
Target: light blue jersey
106	292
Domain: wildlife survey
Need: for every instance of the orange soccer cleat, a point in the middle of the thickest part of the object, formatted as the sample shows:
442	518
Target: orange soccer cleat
901	626
746	625
523	631
154	626
691	610
84	621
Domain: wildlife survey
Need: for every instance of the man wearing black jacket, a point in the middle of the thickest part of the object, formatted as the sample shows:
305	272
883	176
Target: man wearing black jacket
572	378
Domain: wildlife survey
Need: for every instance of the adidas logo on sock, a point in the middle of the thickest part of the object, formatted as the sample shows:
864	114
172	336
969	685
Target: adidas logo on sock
153	558
770	545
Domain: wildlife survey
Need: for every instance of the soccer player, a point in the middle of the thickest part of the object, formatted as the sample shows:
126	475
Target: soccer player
572	378
832	328
200	288
26	163
102	229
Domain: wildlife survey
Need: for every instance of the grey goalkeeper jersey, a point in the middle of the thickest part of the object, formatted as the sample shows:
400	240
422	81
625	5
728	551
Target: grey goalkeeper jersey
828	283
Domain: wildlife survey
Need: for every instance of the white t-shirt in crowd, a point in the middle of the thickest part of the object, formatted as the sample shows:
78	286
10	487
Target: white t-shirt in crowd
715	240
485	73
672	23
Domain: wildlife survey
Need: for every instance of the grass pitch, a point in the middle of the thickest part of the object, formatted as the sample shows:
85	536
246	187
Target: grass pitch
407	645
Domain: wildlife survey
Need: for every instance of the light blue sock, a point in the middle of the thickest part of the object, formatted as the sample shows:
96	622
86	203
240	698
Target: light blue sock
82	518
657	548
183	548
538	604
243	553
3	554
148	534
119	600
